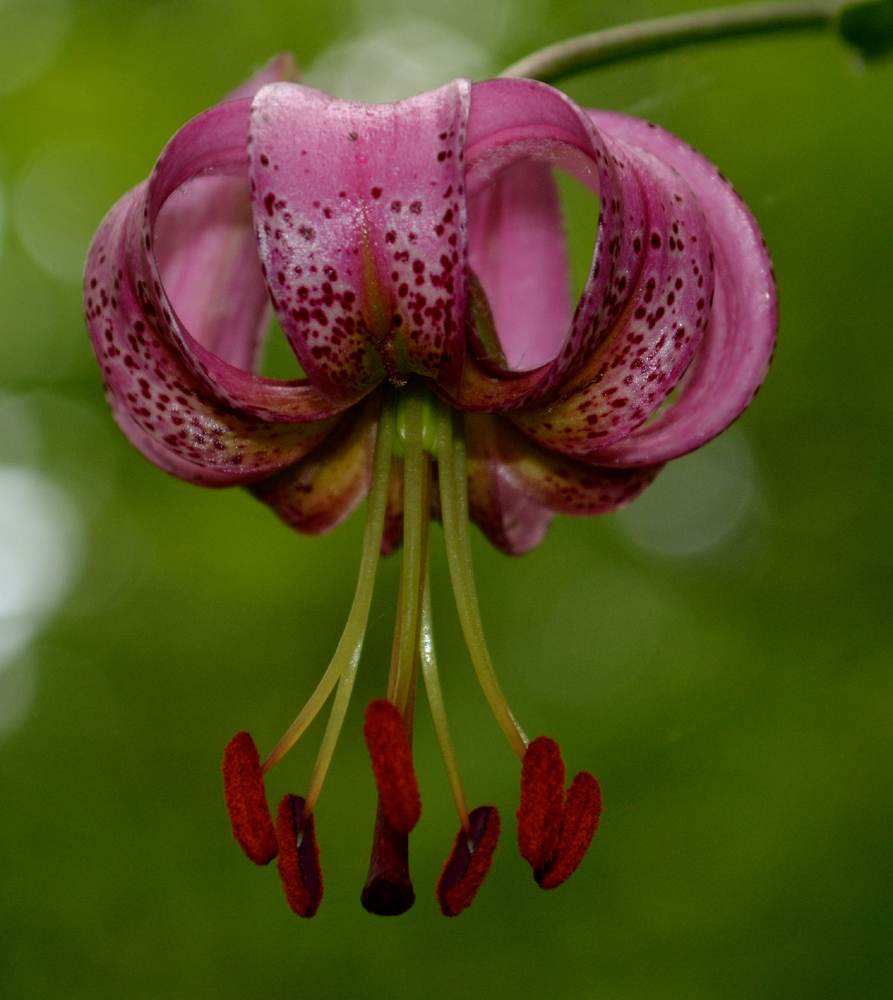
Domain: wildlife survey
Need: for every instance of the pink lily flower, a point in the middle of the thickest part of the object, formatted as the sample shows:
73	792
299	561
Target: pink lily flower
414	256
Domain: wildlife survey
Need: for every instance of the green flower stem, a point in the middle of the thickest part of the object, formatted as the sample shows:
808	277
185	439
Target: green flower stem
454	510
438	711
662	34
347	656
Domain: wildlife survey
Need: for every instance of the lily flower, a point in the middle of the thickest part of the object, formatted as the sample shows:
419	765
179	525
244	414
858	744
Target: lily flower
414	255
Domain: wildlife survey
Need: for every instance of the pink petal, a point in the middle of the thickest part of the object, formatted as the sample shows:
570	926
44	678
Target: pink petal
554	482
740	336
208	257
166	412
653	336
359	213
518	121
315	495
510	519
517	248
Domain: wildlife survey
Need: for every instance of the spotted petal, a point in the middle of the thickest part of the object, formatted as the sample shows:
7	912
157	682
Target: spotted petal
165	410
359	212
740	337
517	129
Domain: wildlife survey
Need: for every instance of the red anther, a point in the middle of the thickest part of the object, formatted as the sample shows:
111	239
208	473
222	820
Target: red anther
388	890
391	753
581	813
246	800
466	867
298	860
542	801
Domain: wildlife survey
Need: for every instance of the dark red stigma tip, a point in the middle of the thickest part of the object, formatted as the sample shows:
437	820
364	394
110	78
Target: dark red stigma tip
388	890
467	866
542	801
246	800
298	861
391	754
580	821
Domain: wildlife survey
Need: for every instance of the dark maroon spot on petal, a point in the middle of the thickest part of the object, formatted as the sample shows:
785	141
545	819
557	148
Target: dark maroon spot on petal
376	193
269	201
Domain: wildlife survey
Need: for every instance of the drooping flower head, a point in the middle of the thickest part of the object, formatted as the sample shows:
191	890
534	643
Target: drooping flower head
414	256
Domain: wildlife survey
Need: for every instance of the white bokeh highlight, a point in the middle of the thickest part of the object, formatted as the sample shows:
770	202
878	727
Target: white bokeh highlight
697	503
393	63
59	202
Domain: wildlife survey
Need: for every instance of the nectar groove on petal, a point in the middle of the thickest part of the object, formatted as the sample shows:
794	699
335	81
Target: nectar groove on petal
467	867
542	802
581	813
246	800
298	860
391	754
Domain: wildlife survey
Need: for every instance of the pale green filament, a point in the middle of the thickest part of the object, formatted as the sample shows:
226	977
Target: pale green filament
454	509
438	712
347	655
411	419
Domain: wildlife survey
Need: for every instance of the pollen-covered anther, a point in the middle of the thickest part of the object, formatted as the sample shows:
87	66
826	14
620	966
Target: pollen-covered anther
298	860
580	821
246	800
389	749
542	802
554	832
469	861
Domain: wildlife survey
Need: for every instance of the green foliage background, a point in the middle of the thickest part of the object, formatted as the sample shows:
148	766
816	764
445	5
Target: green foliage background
737	705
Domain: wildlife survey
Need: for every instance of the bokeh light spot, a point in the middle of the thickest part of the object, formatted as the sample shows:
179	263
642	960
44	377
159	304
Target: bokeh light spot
60	201
697	502
39	551
396	62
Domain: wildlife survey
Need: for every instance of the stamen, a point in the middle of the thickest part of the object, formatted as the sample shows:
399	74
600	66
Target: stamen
391	755
378	498
246	800
388	891
581	814
454	508
298	860
542	802
347	655
438	711
469	862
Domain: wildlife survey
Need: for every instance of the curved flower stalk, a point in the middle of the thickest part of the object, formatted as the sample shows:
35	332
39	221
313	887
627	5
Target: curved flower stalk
414	256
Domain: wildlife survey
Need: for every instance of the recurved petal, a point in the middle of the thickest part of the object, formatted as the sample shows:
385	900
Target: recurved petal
653	337
549	481
167	412
518	129
317	493
360	216
740	337
195	264
511	519
517	249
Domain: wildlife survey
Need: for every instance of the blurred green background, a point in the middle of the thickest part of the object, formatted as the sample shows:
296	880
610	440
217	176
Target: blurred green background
719	655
